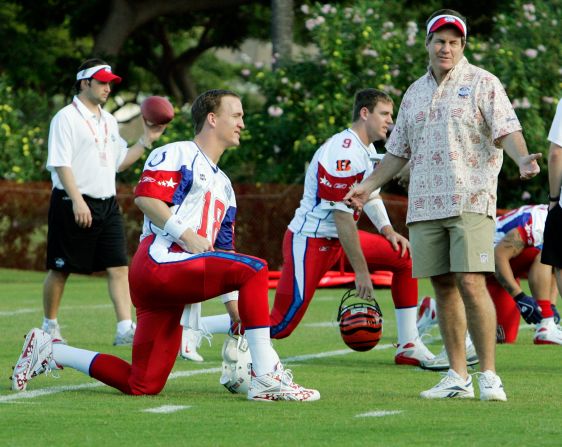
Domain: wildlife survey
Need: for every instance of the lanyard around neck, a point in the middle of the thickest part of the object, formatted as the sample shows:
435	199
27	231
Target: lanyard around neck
92	130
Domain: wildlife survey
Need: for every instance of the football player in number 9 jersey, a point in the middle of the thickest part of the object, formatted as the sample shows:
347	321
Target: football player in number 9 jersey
186	255
323	225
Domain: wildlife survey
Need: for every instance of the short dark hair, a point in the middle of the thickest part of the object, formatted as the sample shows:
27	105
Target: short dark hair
448	12
205	103
369	98
89	63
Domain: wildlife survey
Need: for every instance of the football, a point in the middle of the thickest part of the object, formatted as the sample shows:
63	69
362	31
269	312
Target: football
157	110
360	323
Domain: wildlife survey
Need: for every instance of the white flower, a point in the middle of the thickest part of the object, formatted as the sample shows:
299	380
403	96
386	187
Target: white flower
310	24
477	57
526	195
275	111
326	9
357	19
305	9
370	52
531	52
245	72
522	103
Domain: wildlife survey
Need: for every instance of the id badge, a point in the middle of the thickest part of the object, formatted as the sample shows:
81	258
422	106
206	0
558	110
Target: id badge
104	161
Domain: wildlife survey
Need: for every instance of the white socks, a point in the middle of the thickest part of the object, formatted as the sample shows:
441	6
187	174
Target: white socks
123	326
406	324
264	357
78	359
47	322
216	324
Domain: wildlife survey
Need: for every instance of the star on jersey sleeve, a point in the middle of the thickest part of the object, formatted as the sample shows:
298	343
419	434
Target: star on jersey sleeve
165	176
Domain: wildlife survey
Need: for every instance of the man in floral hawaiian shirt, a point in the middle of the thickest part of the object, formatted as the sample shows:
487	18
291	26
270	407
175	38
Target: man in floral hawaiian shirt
452	125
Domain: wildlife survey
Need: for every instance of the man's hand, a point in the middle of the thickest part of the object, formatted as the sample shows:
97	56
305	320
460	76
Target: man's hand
398	241
82	213
364	286
529	308
193	243
528	166
357	197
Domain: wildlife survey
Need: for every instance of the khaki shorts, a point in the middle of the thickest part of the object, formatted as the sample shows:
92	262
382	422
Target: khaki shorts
462	243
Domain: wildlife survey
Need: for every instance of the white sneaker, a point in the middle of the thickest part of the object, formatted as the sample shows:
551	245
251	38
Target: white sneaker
54	332
491	387
451	386
36	358
126	338
548	333
441	361
279	385
427	315
190	341
413	353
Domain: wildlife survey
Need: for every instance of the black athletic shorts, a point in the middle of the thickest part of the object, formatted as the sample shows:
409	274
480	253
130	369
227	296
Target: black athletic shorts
85	250
552	248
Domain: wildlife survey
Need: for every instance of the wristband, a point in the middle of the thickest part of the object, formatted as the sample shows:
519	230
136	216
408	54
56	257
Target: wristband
553	199
376	212
519	296
175	226
144	143
230	296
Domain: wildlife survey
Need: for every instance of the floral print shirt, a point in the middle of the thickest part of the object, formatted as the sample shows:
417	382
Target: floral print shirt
450	132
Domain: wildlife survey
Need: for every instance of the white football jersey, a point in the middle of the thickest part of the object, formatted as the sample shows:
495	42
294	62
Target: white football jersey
337	165
181	175
529	221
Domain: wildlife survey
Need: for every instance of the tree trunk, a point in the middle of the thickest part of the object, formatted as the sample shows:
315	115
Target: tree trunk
282	17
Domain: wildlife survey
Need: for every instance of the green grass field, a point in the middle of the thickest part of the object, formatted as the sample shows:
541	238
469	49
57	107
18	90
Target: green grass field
366	399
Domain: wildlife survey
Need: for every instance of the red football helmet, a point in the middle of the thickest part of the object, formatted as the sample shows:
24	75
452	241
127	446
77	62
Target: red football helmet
360	323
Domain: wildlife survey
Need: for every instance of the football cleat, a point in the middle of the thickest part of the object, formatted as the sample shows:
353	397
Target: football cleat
279	385
427	315
451	386
360	323
190	341
548	333
441	361
413	353
126	338
36	358
491	387
236	365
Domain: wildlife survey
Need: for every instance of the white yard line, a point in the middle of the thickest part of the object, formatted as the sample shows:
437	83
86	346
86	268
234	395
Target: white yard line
11	313
378	414
167	409
175	375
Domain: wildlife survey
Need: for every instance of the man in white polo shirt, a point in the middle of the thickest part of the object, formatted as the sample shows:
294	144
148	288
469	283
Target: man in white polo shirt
86	232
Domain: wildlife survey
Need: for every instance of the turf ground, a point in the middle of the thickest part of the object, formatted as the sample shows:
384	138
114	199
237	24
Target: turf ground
366	399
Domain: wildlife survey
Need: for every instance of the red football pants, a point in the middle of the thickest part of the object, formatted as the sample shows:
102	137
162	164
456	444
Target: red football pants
306	261
507	312
159	291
